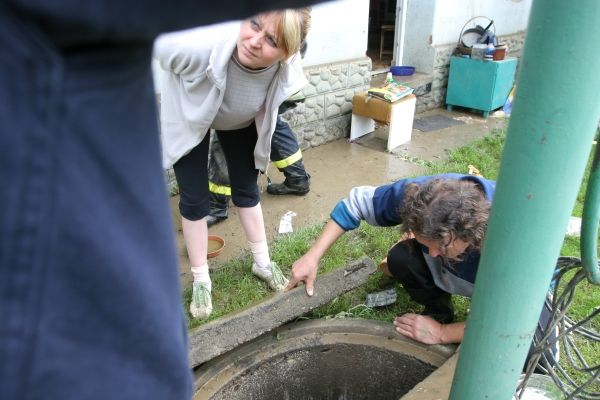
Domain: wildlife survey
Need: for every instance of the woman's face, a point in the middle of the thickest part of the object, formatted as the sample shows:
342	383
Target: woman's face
258	45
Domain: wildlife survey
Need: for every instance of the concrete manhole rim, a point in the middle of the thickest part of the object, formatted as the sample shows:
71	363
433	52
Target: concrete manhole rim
214	375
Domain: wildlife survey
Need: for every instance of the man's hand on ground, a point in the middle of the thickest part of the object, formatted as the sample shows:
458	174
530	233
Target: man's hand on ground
426	330
304	270
419	327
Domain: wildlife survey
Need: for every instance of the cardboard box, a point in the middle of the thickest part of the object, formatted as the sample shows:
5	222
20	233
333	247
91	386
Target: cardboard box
372	107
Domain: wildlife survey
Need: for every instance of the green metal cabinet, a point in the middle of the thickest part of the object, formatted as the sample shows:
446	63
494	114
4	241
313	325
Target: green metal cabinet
479	84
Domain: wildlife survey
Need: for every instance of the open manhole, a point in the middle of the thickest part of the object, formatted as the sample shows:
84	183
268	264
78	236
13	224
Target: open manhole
321	359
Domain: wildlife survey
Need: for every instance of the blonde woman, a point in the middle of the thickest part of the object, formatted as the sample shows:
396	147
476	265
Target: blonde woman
230	78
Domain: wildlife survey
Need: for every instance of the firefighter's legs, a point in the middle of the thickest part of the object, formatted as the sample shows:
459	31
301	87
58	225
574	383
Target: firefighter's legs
218	183
287	157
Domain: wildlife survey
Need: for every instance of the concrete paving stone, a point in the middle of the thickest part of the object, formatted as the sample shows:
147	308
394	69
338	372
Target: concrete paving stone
382	298
224	334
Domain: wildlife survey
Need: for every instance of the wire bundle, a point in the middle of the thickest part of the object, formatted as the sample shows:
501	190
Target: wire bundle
571	334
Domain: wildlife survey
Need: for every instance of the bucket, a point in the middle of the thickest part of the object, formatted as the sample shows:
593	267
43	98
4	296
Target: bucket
468	37
403	70
500	53
216	244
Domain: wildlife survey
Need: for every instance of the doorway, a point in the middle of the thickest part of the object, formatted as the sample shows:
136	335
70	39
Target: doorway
382	34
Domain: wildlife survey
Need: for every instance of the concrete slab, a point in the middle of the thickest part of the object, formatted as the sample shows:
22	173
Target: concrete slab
224	334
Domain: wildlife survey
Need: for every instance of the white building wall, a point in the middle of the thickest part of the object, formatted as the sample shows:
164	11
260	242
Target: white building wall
432	23
509	16
339	32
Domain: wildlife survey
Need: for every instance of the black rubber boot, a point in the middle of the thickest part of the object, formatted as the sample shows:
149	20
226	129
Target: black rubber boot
296	186
211	220
219	207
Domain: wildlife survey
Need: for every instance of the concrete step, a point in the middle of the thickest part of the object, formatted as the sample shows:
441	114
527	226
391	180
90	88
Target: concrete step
224	334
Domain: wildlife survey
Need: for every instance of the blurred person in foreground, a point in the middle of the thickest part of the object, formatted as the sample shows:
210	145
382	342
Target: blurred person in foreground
90	302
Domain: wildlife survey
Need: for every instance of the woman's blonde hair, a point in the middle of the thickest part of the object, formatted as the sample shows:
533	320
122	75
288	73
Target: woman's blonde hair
292	29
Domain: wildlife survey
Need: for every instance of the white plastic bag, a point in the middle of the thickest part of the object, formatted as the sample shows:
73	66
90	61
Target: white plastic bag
285	223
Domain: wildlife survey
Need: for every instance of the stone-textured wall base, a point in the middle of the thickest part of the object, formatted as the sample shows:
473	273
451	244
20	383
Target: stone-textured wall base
326	113
316	133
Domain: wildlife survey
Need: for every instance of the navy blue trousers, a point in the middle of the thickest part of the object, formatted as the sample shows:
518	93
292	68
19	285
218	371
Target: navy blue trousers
90	302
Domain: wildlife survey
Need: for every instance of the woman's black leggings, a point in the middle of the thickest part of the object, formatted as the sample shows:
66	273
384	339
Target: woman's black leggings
191	172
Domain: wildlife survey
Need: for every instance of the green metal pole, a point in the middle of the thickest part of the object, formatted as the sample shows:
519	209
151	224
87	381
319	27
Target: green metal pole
549	138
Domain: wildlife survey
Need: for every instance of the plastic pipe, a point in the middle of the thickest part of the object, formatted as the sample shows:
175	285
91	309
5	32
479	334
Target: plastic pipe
549	137
589	223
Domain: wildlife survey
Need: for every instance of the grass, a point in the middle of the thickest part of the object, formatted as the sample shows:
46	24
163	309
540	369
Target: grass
236	288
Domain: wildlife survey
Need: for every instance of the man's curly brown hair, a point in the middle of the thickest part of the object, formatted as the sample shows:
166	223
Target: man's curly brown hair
445	210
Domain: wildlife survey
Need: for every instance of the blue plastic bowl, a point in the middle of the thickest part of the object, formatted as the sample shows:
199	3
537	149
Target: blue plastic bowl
404	70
